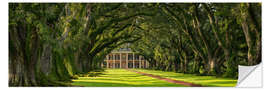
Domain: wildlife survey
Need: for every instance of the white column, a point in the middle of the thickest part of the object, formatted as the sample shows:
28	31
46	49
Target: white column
147	64
140	62
126	60
133	60
113	60
102	64
107	61
144	63
120	60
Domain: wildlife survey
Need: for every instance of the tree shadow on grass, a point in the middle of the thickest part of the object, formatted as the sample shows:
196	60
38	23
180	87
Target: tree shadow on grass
101	84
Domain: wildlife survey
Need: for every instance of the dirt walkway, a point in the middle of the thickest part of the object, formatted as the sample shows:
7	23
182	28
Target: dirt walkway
167	79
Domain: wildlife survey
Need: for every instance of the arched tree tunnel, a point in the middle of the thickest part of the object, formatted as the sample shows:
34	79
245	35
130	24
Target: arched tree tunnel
49	43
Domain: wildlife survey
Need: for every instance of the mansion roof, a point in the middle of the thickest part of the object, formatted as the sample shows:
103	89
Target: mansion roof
122	50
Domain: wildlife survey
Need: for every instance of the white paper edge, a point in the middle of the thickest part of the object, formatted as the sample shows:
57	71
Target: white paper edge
253	78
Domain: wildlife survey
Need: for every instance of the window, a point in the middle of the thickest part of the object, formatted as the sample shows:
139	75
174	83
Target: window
137	65
117	65
130	57
130	65
117	57
137	57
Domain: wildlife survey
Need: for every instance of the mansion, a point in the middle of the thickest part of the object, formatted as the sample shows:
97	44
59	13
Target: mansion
124	58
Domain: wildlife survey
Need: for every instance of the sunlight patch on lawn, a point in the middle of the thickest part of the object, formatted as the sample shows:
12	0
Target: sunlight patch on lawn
121	78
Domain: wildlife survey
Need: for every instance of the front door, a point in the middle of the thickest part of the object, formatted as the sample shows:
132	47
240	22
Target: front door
123	64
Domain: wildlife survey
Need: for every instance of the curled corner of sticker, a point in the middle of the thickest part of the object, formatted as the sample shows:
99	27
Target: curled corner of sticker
250	76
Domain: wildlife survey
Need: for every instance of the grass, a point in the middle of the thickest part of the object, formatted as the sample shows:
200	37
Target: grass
202	80
124	78
121	78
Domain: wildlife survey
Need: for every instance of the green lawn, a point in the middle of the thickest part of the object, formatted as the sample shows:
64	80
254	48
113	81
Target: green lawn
124	78
121	78
202	80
